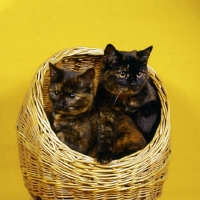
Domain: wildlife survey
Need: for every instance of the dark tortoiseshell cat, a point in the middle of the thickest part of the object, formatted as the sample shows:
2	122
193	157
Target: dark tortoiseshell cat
74	114
126	99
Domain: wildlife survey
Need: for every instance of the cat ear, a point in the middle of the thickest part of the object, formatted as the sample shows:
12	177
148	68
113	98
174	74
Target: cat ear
55	73
144	54
86	79
110	54
110	50
89	74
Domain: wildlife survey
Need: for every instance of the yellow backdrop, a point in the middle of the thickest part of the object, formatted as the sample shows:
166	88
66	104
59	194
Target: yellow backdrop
31	31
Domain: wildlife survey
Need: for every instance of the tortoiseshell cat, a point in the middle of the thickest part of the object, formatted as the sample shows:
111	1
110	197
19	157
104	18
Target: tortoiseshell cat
74	115
126	98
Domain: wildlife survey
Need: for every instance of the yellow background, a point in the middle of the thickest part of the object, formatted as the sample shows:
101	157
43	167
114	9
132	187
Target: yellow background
31	31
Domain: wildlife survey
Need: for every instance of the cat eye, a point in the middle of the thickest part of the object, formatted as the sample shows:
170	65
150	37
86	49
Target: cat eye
122	74
56	93
72	95
139	74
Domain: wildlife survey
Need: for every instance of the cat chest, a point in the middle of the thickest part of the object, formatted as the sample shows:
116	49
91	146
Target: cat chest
79	127
131	104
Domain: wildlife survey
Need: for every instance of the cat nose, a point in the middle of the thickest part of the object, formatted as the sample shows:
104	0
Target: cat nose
133	83
60	103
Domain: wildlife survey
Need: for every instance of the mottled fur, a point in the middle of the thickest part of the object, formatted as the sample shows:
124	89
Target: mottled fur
138	96
121	92
74	115
127	99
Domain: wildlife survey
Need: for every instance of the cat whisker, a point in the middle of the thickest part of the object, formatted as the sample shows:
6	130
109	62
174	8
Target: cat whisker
145	90
117	96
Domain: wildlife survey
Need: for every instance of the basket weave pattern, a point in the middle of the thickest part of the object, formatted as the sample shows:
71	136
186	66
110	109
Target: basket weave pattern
51	170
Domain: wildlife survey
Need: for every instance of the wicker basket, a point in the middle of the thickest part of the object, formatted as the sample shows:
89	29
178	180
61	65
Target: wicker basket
51	170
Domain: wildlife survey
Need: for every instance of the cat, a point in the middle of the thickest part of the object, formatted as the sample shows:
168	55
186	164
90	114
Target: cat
125	91
142	102
118	133
74	114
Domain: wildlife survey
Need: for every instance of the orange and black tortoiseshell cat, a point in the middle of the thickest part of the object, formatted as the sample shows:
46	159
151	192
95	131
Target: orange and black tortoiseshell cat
128	102
74	115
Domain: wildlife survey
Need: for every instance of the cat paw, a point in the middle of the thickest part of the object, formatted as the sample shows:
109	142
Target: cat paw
104	157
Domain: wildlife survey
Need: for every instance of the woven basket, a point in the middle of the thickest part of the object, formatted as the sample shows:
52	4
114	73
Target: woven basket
51	170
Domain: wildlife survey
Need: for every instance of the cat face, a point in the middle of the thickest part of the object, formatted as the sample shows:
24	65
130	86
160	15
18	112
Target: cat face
70	92
125	71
